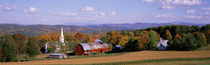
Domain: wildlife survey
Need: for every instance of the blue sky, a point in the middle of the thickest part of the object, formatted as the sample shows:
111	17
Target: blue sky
85	12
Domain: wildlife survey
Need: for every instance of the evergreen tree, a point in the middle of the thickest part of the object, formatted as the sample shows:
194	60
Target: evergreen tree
9	50
132	45
32	47
152	42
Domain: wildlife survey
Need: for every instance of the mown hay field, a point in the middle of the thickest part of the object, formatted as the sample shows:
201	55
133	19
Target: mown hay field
132	56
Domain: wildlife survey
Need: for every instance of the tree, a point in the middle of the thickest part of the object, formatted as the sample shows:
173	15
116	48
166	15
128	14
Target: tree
188	42
143	39
42	45
21	41
132	45
46	37
185	43
152	42
200	39
9	50
69	36
177	36
55	36
206	31
168	35
91	39
1	54
115	38
32	47
80	36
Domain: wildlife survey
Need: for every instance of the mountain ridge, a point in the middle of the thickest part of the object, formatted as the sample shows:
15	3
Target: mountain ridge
43	28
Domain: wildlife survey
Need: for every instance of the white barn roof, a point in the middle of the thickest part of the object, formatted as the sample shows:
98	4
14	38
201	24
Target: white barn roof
97	45
85	46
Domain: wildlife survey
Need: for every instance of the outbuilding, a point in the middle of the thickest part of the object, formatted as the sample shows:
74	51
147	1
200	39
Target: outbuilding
58	55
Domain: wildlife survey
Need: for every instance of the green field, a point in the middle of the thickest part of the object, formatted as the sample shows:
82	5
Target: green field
172	61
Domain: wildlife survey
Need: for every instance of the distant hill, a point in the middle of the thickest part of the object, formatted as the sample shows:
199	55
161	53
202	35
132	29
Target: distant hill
137	25
40	29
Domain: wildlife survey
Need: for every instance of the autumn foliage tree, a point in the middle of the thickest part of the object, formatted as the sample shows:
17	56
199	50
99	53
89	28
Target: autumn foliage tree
115	38
80	36
55	36
91	39
143	39
46	37
21	41
168	35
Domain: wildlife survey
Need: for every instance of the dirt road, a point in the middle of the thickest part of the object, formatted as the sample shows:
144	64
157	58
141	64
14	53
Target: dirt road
133	56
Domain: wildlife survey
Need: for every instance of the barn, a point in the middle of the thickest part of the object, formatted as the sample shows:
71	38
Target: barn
89	48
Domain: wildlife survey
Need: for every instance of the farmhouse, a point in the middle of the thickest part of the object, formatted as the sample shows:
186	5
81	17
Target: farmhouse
88	48
162	45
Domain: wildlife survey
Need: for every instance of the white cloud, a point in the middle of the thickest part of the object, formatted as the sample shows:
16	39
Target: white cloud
66	13
164	16
191	11
167	7
102	14
181	2
69	14
206	13
171	4
7	7
205	8
87	8
113	13
194	17
30	10
148	1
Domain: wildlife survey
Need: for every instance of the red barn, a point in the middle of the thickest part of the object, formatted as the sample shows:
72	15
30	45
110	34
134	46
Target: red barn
88	48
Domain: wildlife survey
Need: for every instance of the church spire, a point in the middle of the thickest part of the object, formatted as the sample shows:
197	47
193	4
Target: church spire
62	36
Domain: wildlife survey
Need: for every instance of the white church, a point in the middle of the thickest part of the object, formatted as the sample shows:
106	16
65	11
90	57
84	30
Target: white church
58	44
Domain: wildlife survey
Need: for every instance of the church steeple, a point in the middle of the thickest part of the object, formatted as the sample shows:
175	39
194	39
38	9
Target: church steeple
62	36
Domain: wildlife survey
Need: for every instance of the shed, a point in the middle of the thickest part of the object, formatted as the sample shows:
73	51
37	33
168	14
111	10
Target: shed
162	45
58	55
87	48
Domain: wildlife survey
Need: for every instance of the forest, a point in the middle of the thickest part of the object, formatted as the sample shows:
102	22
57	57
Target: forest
17	46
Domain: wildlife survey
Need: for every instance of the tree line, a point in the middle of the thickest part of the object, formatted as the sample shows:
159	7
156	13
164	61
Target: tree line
180	37
17	47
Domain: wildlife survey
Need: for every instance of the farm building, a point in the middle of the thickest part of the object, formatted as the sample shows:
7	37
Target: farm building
88	48
58	55
162	45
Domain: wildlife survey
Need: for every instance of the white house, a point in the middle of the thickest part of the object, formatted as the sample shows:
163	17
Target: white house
162	45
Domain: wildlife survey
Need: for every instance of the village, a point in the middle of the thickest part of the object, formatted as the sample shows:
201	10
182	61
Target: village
104	32
87	49
136	45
